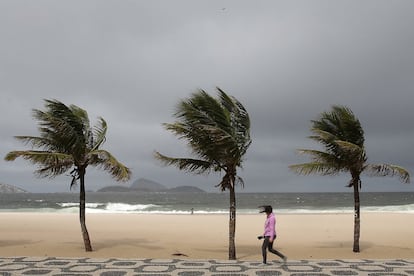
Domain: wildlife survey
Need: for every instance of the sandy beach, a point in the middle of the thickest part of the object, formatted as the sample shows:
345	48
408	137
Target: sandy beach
300	236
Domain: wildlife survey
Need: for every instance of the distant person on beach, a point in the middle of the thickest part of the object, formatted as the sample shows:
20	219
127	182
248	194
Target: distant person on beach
269	234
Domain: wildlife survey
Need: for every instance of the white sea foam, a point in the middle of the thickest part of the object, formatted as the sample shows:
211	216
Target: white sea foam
315	211
75	204
124	207
318	203
156	209
409	208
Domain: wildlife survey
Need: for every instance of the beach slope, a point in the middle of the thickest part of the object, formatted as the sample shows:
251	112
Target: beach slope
300	236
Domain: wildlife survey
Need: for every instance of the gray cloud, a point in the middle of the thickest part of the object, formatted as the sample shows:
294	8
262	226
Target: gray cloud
132	61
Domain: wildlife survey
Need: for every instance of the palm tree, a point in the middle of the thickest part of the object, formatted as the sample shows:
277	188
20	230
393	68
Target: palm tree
342	136
218	132
68	142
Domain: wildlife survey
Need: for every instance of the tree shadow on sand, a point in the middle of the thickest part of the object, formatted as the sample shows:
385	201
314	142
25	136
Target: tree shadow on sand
344	244
138	243
6	243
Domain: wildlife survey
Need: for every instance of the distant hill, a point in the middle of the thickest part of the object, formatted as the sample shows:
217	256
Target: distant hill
115	189
143	184
5	188
146	185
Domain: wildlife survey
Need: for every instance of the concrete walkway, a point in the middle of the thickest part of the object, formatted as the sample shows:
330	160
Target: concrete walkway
10	266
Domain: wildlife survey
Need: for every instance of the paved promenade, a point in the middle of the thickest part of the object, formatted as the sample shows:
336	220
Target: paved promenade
119	267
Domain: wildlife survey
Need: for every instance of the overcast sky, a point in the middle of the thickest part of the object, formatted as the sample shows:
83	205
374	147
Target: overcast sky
285	61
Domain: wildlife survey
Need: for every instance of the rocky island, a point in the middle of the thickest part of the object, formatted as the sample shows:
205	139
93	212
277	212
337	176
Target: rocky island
146	185
5	188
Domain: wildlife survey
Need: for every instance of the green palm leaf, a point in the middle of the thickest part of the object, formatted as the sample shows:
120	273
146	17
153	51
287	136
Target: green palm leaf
187	164
314	168
388	170
105	160
99	134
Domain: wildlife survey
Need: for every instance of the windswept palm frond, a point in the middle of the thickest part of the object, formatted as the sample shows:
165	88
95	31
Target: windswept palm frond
329	141
341	123
314	168
388	170
65	131
239	120
324	137
99	133
202	139
341	134
350	147
219	139
178	128
80	114
61	117
319	156
105	160
234	107
187	164
353	152
202	109
50	164
215	130
37	142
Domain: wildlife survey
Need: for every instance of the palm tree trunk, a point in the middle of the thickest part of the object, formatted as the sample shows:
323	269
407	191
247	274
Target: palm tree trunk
357	218
85	234
232	224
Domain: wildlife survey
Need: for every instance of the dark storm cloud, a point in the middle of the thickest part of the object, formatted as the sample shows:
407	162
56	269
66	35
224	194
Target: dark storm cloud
132	61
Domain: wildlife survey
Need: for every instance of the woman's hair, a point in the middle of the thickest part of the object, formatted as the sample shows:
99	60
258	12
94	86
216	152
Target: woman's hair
266	209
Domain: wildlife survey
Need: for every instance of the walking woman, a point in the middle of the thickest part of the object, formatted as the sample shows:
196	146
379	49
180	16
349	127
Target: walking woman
269	234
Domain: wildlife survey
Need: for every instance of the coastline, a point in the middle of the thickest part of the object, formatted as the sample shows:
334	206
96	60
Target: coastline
307	236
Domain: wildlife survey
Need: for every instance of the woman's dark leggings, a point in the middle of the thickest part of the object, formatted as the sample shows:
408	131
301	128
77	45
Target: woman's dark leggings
267	245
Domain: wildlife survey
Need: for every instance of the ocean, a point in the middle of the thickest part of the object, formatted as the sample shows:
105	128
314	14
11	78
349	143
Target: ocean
206	203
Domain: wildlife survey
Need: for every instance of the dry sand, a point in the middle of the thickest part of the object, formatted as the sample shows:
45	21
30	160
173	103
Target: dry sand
300	236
